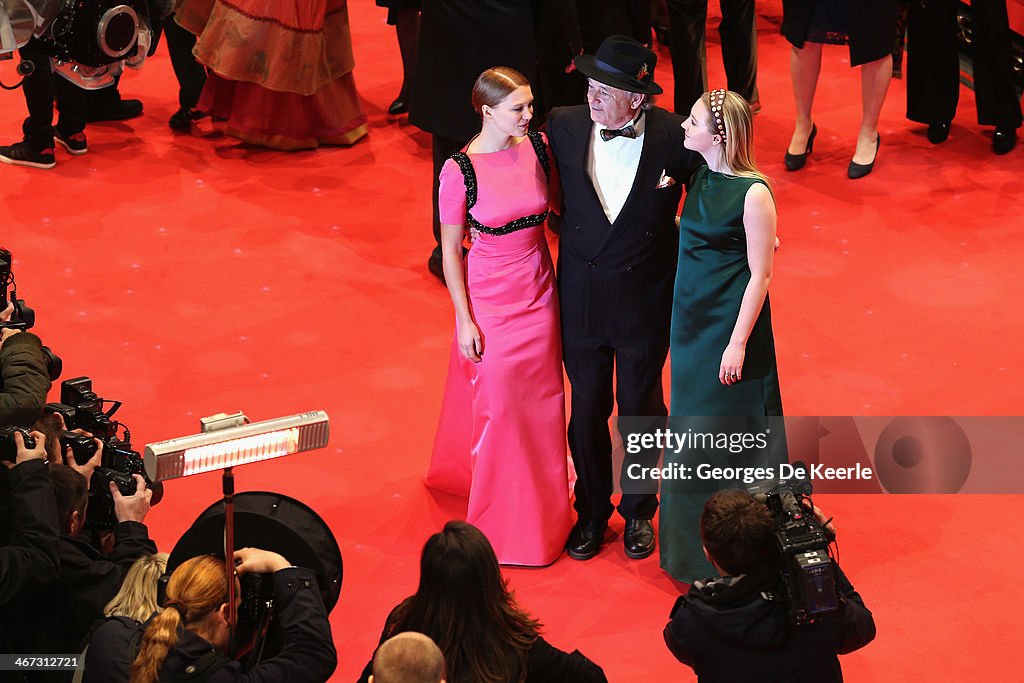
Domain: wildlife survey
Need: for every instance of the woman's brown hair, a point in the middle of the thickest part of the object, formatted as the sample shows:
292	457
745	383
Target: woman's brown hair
494	85
196	589
463	603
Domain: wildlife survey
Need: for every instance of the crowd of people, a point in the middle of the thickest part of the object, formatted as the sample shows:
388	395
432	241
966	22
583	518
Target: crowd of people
637	279
281	76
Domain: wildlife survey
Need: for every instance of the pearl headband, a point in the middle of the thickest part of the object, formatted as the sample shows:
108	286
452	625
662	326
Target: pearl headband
717	98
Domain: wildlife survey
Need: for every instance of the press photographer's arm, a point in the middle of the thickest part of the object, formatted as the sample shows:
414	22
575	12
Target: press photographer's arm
24	378
30	559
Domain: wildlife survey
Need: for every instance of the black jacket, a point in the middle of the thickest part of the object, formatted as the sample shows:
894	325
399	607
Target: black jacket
460	39
545	663
29	558
24	380
56	618
737	629
112	647
307	654
616	280
872	26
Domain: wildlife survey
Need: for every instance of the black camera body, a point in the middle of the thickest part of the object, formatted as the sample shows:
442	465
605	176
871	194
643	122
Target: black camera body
23	318
82	408
8	447
100	509
97	32
801	548
82	447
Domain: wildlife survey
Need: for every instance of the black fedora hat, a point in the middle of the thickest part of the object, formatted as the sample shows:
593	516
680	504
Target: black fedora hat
622	63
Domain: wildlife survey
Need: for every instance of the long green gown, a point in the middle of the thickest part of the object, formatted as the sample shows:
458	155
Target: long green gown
712	276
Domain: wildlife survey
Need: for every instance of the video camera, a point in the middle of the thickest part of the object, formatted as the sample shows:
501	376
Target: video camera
23	318
82	409
801	547
88	40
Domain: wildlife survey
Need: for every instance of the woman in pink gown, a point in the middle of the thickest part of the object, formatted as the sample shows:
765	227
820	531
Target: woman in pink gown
501	435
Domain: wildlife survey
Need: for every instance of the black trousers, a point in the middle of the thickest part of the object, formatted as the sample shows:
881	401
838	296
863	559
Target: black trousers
42	87
443	148
191	74
688	21
933	64
590	364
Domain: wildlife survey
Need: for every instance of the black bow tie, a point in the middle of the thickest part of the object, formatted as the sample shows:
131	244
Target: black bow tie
626	132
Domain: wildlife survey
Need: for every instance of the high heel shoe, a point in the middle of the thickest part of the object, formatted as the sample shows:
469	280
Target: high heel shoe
856	170
794	162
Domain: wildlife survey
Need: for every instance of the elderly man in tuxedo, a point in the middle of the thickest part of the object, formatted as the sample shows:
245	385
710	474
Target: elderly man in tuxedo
622	164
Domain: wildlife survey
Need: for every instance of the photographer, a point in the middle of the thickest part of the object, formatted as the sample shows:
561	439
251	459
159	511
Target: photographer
56	618
24	379
29	560
187	639
737	627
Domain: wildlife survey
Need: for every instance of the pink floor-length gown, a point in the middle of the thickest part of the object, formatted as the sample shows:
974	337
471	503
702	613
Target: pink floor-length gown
501	434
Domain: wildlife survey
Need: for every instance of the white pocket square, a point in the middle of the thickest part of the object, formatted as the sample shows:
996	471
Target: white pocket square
665	181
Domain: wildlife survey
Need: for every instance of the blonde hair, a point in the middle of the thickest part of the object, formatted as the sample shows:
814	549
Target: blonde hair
137	597
196	589
494	85
738	149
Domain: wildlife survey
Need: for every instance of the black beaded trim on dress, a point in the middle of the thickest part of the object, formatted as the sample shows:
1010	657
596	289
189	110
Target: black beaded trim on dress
542	152
469	176
513	226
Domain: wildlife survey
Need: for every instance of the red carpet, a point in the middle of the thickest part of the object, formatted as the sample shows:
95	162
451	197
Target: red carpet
189	276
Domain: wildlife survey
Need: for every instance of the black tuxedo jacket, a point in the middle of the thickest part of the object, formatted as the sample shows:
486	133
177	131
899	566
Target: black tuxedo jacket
616	279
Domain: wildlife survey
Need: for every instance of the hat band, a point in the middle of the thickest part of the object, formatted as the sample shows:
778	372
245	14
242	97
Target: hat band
618	72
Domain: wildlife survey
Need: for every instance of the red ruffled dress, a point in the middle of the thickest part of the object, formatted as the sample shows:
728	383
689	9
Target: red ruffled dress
281	70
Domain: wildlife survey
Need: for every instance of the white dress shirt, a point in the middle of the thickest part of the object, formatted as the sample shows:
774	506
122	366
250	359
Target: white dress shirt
612	166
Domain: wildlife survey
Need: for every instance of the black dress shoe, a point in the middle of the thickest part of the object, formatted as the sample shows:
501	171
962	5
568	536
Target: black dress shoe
794	162
182	119
856	170
121	110
1003	140
586	539
938	132
397	107
639	538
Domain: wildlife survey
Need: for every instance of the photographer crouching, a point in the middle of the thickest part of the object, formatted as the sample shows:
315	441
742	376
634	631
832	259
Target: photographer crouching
753	622
189	638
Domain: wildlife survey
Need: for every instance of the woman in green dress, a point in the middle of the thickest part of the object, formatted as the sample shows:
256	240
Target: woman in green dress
724	375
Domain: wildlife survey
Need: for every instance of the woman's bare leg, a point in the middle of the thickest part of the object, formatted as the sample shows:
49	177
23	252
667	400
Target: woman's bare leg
804	67
874	79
